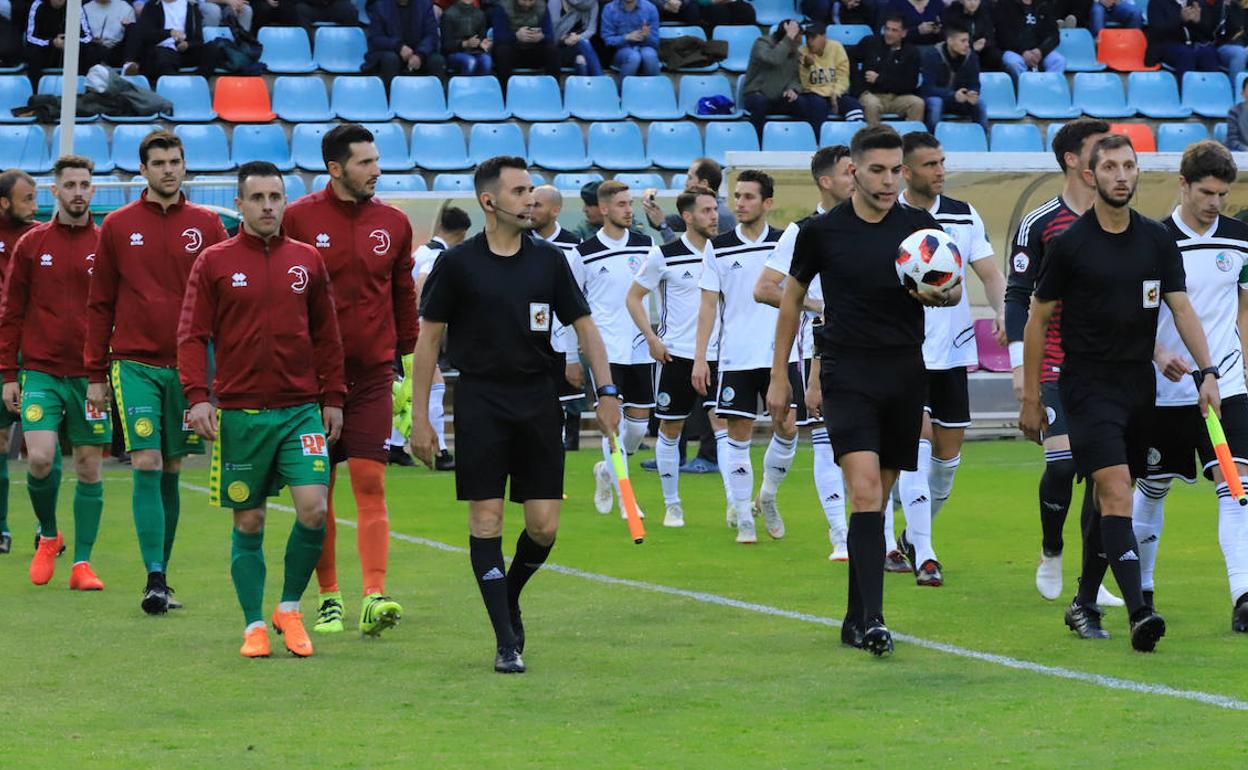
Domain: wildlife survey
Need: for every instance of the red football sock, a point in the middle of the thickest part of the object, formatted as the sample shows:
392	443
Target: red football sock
368	484
327	567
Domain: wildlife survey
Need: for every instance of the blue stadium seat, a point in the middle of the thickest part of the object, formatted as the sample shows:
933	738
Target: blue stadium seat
1100	95
126	140
215	33
301	99
650	98
439	147
557	147
1219	132
1175	137
678	182
961	137
140	82
107	198
1016	137
486	140
392	146
305	145
740	41
538	179
220	193
848	34
286	50
1155	94
617	146
788	136
264	141
770	12
89	140
904	127
320	181
666	33
360	99
592	98
340	49
735	136
295	188
15	91
1050	133
838	131
639	182
997	91
1207	94
1045	95
393	183
460	183
419	99
24	147
535	98
674	145
50	85
695	87
192	102
476	99
1079	49
574	181
1239	86
206	147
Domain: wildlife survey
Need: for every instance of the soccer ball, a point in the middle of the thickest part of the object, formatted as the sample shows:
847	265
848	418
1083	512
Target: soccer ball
929	260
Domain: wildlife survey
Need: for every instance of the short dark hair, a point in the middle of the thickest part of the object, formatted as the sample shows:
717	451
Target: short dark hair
160	139
897	17
954	28
917	140
709	171
257	168
336	143
1070	137
1204	159
766	185
609	189
490	169
825	159
454	220
874	138
1110	142
9	180
689	198
816	29
72	161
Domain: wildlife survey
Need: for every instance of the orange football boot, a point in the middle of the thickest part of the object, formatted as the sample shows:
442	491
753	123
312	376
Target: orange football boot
289	625
44	563
256	643
82	578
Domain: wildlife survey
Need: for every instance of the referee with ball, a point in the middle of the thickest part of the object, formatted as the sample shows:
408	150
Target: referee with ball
871	350
495	296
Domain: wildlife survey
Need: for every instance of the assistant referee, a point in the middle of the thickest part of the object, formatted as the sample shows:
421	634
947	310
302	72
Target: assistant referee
494	294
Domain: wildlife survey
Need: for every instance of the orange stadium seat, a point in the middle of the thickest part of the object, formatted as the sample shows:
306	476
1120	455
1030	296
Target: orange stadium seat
1141	135
1123	50
242	100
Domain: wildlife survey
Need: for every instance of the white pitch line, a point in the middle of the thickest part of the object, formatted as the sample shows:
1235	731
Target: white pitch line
1098	680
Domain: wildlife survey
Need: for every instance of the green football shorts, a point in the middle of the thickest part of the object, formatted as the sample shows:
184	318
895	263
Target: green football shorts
153	409
47	401
259	451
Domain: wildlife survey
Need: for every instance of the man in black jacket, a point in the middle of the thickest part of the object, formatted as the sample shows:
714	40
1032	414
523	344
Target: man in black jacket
951	80
1027	33
171	35
976	18
44	42
1186	37
889	73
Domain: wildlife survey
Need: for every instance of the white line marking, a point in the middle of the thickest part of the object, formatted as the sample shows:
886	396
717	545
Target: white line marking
1099	680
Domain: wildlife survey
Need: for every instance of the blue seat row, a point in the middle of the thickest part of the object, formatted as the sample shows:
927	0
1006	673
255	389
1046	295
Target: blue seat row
1048	96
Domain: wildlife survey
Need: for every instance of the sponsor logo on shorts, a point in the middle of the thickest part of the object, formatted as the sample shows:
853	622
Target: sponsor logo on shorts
97	428
238	491
318	466
727	394
92	413
1021	262
1154	457
664	399
1152	293
1224	262
34	413
132	410
313	444
1050	414
539	316
238	466
299	278
143	427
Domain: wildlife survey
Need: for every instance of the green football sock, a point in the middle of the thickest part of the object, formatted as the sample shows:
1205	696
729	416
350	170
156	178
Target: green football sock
43	493
88	507
172	498
4	493
149	519
303	551
248	571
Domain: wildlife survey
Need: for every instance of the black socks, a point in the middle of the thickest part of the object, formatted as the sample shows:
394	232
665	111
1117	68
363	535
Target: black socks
1124	558
1055	492
866	562
1094	564
486	554
529	557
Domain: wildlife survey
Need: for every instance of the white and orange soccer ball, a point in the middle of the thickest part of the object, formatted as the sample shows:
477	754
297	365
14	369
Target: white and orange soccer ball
929	260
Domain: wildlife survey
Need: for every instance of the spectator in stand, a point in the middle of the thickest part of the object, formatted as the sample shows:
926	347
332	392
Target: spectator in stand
771	85
45	39
823	69
922	19
273	13
951	80
841	12
1184	36
171	36
687	12
308	13
1123	13
216	12
1027	34
890	74
524	36
975	17
631	28
1237	124
464	40
10	34
575	23
403	39
718	13
112	25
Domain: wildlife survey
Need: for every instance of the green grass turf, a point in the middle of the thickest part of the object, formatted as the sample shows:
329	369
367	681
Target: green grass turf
618	677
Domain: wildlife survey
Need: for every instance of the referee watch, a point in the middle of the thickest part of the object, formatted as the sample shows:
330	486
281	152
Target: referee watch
608	390
1200	375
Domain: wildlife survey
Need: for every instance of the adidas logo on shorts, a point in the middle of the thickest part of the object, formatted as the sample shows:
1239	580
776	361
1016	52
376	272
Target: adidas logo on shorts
1129	556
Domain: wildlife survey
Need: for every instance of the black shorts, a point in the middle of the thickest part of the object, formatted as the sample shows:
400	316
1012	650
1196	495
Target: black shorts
676	397
1109	415
797	381
874	403
743	393
1051	398
1179	436
511	430
948	397
636	384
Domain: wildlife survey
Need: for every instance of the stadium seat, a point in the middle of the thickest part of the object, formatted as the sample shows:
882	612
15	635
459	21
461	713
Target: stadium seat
459	183
216	33
1219	132
419	99
558	147
1050	133
295	188
770	12
439	147
89	140
1123	50
722	138
1045	95
992	356
535	98
592	98
1175	137
24	147
649	98
678	182
263	142
1239	86
674	145
242	99
695	87
392	146
107	198
1015	137
15	91
789	137
286	50
848	34
140	82
192	102
486	140
904	127
206	147
961	137
301	99
1100	95
1156	95
1207	94
838	131
340	49
126	140
617	146
666	33
740	40
393	183
1141	135
305	145
220	193
50	85
639	182
574	181
360	99
476	99
997	91
320	181
1079	49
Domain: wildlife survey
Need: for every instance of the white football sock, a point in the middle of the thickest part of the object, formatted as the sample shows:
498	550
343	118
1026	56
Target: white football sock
1233	537
916	500
632	432
437	412
667	458
1148	513
721	452
940	480
740	476
829	482
288	606
776	463
890	506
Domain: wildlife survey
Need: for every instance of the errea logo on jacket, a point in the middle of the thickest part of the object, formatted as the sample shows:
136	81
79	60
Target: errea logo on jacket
45	260
322	240
240	279
136	239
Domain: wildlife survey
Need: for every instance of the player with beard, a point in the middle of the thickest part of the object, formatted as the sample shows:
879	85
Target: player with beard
17	215
547	205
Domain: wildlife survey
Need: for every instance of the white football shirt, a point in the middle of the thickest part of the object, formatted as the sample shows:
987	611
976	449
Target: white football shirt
672	271
605	268
747	328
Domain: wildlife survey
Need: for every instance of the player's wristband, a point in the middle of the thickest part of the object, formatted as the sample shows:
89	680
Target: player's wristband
1200	375
608	390
1016	354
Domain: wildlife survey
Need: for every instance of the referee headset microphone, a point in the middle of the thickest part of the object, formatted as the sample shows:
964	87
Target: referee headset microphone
500	210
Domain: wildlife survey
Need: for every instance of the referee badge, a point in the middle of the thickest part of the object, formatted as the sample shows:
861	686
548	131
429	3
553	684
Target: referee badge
1152	293
539	316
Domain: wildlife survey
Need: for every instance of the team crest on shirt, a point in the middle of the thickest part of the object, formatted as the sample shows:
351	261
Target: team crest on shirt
238	491
539	316
194	239
299	278
90	260
382	237
1224	262
1152	293
634	263
1021	262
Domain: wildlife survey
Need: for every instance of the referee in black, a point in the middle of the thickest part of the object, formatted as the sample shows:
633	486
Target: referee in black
494	294
1111	270
871	358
